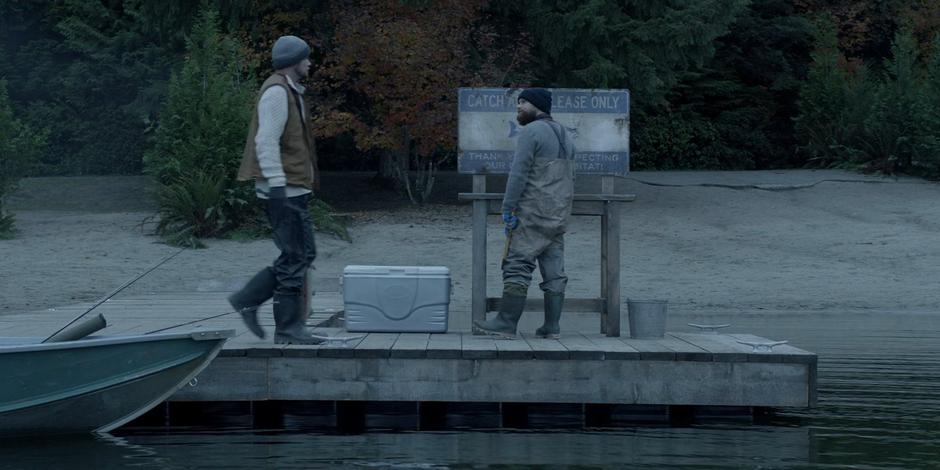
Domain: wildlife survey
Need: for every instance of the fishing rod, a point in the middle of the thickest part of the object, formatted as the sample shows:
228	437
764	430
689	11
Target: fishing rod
113	293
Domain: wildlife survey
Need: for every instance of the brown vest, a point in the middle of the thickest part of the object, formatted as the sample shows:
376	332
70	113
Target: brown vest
298	153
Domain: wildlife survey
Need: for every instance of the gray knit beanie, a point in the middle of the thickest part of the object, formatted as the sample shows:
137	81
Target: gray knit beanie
289	50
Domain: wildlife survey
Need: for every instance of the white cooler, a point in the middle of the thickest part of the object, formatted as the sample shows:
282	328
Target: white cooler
396	299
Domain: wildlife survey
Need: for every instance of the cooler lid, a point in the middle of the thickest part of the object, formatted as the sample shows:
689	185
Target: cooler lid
397	270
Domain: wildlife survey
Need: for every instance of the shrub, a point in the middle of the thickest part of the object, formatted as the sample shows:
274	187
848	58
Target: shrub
209	104
193	207
324	221
674	142
199	143
855	119
20	147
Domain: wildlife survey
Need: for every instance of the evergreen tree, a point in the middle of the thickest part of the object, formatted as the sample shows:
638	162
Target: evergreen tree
928	127
832	105
208	107
642	45
19	149
748	91
201	136
882	123
889	141
645	46
94	74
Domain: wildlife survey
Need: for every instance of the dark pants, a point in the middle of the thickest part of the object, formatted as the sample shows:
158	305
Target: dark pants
293	235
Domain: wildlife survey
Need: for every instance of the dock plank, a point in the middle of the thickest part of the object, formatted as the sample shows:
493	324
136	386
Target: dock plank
580	347
514	349
251	346
723	350
686	351
376	345
345	350
411	346
544	348
478	346
445	346
650	349
613	347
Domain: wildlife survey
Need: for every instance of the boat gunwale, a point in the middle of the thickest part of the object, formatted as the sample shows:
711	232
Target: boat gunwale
196	335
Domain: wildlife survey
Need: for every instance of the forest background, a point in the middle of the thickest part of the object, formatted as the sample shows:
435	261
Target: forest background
166	88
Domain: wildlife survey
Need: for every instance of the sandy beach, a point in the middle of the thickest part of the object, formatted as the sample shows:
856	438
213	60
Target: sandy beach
713	243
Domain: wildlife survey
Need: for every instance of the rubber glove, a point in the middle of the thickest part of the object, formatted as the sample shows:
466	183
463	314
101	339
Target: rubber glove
511	221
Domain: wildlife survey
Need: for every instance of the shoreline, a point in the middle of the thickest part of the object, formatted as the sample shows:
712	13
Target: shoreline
712	243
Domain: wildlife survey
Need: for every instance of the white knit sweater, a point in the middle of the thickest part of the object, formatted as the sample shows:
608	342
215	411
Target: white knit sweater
272	117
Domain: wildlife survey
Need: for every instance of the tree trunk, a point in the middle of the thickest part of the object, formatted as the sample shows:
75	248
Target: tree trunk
386	166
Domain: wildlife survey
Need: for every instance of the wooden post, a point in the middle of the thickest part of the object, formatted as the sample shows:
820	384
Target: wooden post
604	263
607	187
612	299
478	274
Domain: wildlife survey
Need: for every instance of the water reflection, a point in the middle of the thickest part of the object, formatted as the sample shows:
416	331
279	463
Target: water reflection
879	385
649	447
84	451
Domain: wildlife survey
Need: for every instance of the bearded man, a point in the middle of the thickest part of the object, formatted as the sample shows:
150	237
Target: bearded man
536	209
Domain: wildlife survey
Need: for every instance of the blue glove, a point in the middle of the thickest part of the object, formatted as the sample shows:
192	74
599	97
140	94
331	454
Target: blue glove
511	221
277	200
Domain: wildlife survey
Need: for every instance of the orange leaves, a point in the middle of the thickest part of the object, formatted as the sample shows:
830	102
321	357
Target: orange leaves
924	19
866	27
398	66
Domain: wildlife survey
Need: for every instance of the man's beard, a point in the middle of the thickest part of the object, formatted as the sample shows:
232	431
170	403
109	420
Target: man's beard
524	117
301	71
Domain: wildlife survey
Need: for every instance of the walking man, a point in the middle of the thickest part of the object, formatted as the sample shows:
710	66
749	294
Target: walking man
536	208
280	157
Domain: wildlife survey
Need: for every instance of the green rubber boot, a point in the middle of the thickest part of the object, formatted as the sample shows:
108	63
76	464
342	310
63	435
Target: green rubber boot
256	292
553	304
503	325
290	320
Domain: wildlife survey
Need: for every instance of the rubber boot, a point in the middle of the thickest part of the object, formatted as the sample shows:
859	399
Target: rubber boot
503	325
246	301
308	294
553	305
289	320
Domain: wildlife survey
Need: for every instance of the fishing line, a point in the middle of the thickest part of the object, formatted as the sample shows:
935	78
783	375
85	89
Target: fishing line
198	320
115	292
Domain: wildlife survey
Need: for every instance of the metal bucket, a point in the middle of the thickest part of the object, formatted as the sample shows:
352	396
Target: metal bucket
647	318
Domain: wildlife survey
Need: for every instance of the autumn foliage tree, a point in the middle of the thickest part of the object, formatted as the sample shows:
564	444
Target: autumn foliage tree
390	75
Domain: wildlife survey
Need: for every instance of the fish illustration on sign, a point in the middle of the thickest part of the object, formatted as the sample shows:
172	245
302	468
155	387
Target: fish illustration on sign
515	128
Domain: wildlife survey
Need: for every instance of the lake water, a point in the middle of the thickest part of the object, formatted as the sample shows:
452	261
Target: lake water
879	407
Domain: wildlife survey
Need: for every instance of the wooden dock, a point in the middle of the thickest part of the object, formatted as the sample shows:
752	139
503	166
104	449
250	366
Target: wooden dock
682	369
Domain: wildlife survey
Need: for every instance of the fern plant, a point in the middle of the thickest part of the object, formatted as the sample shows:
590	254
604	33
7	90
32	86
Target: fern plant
191	208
